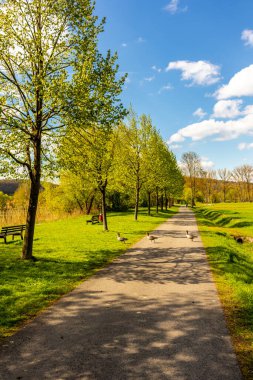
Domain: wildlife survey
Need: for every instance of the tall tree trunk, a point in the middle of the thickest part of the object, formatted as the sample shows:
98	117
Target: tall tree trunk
157	199
149	202
79	203
162	202
27	250
103	192
137	198
166	201
89	204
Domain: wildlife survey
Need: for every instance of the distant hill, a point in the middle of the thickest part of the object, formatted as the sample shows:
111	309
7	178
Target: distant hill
9	186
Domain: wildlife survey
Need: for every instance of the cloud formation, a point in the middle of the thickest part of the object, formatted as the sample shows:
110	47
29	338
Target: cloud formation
167	87
173	7
175	146
227	109
149	79
157	69
206	163
247	37
219	129
201	73
241	84
199	113
243	146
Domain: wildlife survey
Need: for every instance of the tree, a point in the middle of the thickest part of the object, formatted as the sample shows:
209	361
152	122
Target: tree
225	176
95	109
208	184
132	148
91	151
40	41
247	176
192	167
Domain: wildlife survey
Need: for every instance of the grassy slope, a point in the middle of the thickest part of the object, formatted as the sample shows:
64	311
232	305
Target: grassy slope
232	267
68	251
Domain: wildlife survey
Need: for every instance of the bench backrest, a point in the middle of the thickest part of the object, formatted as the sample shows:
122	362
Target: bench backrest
94	217
11	229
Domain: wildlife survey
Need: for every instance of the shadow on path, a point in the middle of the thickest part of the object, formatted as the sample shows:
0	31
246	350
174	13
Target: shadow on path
152	314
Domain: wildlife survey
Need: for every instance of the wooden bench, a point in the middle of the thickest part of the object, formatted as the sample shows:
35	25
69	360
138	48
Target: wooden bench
12	230
94	219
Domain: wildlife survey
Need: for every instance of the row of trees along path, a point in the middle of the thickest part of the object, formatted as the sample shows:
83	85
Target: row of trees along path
59	93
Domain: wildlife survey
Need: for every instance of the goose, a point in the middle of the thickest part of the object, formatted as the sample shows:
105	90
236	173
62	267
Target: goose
190	235
151	237
121	238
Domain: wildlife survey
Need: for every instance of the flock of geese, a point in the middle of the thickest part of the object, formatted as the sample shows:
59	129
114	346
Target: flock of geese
189	235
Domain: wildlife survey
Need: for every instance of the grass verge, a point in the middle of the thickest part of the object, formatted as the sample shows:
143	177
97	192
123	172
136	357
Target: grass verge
68	251
232	268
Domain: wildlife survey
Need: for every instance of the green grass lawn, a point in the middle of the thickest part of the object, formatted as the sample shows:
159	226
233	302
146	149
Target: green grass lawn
68	251
232	267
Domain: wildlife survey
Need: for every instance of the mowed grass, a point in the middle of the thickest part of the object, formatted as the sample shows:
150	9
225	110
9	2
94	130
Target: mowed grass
68	251
232	267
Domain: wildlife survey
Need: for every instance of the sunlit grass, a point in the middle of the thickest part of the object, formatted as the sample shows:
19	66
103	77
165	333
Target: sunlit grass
232	267
68	251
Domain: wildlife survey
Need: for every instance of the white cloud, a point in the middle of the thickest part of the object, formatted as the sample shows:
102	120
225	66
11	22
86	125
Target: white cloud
201	73
221	130
206	163
241	84
175	146
157	69
176	137
247	36
199	113
167	87
243	146
227	109
149	79
124	44
173	7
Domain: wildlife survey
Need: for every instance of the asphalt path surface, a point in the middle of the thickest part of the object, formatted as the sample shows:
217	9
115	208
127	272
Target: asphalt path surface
152	314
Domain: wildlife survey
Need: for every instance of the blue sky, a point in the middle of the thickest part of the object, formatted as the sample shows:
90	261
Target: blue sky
190	67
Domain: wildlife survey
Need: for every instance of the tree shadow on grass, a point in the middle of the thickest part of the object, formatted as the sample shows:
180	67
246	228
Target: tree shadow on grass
242	224
228	260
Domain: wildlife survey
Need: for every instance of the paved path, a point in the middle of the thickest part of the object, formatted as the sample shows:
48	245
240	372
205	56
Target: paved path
152	314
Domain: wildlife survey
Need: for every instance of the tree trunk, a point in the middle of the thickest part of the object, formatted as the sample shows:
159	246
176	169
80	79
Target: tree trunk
137	198
157	199
166	201
79	203
89	204
162	202
27	250
103	192
149	203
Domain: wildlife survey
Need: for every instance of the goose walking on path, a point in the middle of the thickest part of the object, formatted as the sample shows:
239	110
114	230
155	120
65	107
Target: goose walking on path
151	237
121	238
190	235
